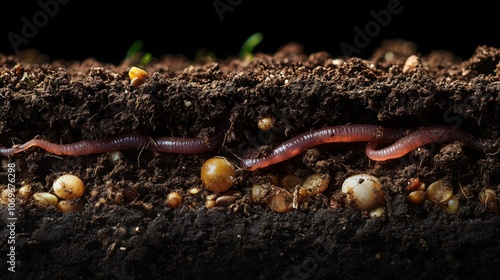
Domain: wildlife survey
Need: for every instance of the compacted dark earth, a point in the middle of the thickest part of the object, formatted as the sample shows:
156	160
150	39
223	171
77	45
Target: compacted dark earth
126	230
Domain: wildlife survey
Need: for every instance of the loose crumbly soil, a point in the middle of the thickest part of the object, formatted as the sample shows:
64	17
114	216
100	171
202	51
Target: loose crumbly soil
125	230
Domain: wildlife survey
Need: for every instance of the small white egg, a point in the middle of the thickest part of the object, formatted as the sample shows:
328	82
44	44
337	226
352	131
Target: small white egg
365	190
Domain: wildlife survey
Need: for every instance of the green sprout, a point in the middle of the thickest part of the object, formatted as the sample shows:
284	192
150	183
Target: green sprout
246	51
146	59
135	51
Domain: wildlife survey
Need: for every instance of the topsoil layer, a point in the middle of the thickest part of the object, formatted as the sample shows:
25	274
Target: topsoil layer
125	230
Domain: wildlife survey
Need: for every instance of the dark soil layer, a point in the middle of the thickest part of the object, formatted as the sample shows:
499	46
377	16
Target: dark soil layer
125	230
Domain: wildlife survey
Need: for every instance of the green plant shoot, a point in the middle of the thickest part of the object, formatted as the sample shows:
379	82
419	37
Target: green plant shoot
246	51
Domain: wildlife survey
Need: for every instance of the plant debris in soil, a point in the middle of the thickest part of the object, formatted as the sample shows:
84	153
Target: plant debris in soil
126	228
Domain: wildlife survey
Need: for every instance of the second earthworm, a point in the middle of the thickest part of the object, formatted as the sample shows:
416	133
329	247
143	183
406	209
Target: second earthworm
373	134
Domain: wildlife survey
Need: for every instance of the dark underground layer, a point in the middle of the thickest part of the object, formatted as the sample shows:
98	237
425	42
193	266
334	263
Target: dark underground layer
402	143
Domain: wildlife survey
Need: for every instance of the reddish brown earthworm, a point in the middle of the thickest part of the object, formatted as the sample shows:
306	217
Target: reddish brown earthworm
365	132
123	142
423	136
373	134
178	145
175	145
329	134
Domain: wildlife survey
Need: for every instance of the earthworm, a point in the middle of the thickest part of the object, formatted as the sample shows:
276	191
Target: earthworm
83	147
373	134
176	145
329	134
365	132
190	145
423	136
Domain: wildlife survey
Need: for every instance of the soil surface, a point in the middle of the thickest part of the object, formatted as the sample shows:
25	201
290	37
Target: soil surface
126	231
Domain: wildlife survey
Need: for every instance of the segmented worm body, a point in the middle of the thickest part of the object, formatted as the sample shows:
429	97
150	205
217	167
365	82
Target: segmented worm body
86	147
330	134
402	143
178	145
175	145
373	134
423	136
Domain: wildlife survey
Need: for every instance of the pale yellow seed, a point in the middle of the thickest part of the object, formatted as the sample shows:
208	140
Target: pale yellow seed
137	76
489	199
210	204
452	205
417	197
6	195
257	193
410	63
212	196
487	196
66	206
194	190
68	187
265	123
439	191
24	194
44	199
377	212
281	202
316	183
174	200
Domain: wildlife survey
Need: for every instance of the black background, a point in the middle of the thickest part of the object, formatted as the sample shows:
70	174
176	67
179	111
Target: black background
105	30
